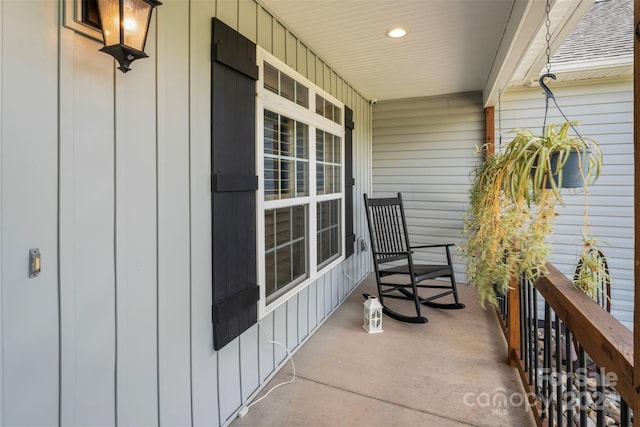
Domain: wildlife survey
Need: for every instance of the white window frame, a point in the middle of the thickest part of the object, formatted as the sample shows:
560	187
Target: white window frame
273	102
73	20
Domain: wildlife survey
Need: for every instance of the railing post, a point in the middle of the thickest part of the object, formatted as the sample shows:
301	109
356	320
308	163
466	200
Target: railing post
513	321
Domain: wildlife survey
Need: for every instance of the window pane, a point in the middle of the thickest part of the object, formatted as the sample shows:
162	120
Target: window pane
320	105
287	259
286	162
269	230
270	78
283	268
328	110
298	222
337	149
337	114
302	184
328	169
270	179
283	226
286	136
320	179
302	136
328	147
287	87
270	272
319	146
287	189
271	133
302	95
328	245
299	265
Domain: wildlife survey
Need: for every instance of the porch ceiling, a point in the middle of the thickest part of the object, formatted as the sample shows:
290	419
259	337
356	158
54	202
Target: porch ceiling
451	45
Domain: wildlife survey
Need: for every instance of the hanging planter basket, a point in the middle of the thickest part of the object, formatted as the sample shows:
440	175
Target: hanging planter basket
566	169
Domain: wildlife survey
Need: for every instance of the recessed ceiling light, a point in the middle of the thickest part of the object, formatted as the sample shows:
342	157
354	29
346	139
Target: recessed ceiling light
396	33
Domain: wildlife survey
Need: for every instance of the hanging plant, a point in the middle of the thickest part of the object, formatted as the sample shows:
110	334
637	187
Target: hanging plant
592	275
514	195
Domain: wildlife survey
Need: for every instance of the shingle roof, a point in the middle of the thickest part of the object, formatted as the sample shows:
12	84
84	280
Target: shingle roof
606	31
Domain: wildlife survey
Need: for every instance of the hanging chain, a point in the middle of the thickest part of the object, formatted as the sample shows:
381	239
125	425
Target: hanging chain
548	36
500	119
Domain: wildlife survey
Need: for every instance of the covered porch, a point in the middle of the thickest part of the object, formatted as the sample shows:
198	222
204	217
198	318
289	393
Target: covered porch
452	371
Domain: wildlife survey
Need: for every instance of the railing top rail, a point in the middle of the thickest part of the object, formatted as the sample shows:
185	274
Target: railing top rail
604	338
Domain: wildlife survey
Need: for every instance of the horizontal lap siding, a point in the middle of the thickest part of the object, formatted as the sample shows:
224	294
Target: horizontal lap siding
605	112
425	148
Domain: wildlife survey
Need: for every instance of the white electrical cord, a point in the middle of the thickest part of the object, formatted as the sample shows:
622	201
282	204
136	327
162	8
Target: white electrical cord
346	275
244	410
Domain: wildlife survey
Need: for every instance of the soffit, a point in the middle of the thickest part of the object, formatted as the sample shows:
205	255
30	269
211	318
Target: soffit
452	46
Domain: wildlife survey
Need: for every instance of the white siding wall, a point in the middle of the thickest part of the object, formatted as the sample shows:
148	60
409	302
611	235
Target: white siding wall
109	175
425	148
604	109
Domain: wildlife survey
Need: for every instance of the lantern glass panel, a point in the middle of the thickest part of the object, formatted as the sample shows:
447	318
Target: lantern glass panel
110	16
135	22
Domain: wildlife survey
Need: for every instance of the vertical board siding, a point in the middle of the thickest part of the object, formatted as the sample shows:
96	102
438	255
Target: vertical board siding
204	376
29	177
247	19
229	379
134	208
136	243
313	304
227	11
87	226
249	361
174	275
302	314
425	149
604	109
266	352
292	323
280	333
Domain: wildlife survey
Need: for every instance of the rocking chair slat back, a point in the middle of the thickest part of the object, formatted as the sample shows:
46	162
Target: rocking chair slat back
389	240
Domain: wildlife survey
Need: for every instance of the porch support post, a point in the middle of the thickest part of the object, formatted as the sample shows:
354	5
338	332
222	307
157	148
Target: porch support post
489	126
636	182
513	297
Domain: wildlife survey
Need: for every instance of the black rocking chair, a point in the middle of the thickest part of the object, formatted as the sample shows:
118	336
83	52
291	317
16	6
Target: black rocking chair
393	256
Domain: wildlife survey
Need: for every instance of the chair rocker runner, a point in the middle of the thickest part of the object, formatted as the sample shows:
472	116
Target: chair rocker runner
393	257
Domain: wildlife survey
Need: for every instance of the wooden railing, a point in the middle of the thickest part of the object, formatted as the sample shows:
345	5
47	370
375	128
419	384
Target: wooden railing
573	324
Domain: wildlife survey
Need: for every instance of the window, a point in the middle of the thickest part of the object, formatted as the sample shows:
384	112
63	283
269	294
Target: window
301	202
83	17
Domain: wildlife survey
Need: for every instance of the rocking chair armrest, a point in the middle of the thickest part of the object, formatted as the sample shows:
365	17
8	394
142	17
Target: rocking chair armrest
442	245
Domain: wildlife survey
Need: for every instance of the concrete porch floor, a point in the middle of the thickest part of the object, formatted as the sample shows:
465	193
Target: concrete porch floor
451	371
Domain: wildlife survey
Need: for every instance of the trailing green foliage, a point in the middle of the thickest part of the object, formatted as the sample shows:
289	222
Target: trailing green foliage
593	275
512	211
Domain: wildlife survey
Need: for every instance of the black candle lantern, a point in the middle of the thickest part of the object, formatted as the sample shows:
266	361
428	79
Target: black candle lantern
125	24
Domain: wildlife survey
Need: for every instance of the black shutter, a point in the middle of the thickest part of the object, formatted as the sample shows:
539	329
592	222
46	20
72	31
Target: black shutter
234	183
349	181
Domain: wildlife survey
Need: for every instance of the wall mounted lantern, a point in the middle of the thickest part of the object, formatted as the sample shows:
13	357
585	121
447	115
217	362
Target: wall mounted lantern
125	24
